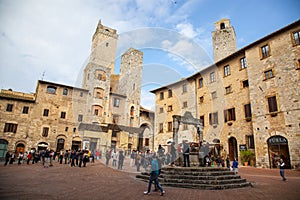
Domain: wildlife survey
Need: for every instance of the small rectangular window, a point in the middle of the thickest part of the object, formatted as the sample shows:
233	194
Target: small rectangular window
170	93
170	108
25	110
268	74
10	127
229	115
184	88
245	83
296	37
248	113
250	141
161	127
265	51
200	82
9	107
272	103
161	110
212	77
202	120
63	115
161	95
45	132
185	104
214	95
116	102
170	128
74	130
201	99
81	94
46	112
226	70
80	117
213	118
66	129
228	90
243	63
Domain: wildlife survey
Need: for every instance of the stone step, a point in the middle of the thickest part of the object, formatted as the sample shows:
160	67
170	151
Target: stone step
208	178
209	182
208	187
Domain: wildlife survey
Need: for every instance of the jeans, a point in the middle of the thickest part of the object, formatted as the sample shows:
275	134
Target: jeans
155	178
186	159
282	174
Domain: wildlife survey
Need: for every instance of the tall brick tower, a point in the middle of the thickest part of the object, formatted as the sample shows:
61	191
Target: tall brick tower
98	71
224	39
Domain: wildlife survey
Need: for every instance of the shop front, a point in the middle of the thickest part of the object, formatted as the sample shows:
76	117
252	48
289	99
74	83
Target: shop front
278	148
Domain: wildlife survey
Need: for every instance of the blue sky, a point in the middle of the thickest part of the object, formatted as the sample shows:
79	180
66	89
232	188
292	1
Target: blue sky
54	37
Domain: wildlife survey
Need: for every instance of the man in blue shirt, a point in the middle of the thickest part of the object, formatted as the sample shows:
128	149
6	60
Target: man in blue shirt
154	176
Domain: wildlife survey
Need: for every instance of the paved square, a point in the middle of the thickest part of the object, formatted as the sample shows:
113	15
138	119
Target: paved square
97	181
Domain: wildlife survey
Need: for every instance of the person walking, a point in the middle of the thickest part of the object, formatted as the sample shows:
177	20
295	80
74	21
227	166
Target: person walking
154	176
282	166
235	165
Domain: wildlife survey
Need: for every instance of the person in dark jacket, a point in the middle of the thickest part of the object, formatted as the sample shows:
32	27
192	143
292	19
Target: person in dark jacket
7	157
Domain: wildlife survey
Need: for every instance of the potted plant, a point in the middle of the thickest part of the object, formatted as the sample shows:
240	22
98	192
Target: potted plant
246	156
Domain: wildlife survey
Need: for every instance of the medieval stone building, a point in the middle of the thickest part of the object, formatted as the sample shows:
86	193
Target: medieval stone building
248	99
104	113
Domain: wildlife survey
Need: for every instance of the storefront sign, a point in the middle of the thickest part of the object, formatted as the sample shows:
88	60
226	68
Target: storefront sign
277	140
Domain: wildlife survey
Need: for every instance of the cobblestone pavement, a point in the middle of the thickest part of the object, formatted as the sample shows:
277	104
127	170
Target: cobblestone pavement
97	181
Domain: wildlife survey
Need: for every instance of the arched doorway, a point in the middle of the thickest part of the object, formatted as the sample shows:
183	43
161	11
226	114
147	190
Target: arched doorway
233	150
145	138
60	144
278	148
20	148
3	148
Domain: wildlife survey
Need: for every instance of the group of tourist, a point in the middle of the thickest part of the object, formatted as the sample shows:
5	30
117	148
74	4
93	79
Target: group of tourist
74	158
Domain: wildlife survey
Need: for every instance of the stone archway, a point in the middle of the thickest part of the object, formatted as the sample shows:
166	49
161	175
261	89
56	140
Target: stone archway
278	148
146	138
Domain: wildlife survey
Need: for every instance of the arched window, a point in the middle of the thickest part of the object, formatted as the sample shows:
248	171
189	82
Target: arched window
51	90
131	111
98	93
222	25
97	110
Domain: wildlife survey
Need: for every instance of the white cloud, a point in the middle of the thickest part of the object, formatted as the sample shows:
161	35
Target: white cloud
148	100
186	29
55	36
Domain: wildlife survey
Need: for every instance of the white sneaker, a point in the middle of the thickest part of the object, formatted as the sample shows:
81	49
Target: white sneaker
162	193
146	193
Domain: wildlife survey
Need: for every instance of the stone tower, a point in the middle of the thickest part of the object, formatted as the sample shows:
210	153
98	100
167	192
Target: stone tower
98	71
224	40
104	47
130	84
